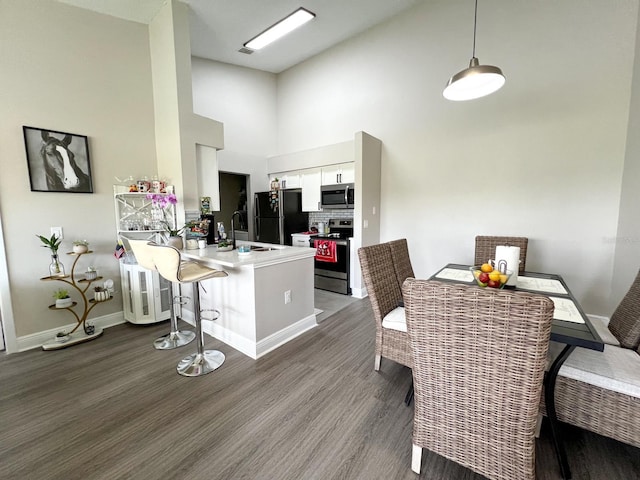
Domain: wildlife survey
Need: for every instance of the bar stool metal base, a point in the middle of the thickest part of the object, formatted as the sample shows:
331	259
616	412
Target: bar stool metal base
174	340
198	364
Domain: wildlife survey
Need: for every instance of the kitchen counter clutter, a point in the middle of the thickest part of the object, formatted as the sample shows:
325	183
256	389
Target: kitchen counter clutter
301	239
260	255
266	301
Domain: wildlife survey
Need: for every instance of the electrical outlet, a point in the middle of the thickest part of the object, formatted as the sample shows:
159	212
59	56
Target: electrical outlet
57	231
287	297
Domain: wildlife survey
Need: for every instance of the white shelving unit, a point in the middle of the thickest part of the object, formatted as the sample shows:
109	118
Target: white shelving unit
146	296
137	218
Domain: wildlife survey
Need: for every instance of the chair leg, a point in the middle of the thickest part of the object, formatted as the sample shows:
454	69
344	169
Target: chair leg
175	338
203	361
538	425
409	396
376	365
416	458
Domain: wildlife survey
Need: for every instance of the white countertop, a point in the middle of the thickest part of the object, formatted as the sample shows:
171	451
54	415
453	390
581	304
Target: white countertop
232	259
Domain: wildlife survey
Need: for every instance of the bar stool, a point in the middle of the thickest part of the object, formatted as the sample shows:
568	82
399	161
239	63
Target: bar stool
175	338
169	264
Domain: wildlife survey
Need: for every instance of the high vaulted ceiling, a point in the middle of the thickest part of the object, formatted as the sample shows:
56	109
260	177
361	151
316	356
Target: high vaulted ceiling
220	27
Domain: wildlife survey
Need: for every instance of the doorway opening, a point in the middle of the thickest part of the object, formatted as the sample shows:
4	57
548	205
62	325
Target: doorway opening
233	197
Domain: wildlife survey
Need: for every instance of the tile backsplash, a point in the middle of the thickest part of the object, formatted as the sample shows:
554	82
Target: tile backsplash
315	217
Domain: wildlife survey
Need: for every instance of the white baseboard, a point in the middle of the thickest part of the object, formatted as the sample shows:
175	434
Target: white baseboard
36	340
248	347
286	334
359	292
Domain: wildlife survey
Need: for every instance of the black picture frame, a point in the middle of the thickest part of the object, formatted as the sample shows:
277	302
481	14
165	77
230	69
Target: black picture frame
57	161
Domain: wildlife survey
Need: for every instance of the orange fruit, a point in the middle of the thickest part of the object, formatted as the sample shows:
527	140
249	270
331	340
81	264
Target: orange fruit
486	268
503	278
495	276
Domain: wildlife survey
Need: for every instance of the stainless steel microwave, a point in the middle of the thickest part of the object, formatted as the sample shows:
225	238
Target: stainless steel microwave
341	195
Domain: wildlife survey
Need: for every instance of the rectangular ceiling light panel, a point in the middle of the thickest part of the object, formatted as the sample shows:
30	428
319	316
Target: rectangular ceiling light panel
280	29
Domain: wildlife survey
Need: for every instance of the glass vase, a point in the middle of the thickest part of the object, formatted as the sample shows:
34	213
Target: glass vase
56	269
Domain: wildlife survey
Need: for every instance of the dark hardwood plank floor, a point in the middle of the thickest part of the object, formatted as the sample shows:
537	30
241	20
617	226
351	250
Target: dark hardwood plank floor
115	408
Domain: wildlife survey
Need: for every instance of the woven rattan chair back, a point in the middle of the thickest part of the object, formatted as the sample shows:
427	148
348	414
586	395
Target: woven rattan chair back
478	364
401	260
385	294
486	248
625	321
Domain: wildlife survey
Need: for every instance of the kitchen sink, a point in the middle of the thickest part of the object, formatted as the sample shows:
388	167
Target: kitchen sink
257	248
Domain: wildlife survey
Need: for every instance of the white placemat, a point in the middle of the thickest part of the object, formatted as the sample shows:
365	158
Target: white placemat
455	274
566	310
541	285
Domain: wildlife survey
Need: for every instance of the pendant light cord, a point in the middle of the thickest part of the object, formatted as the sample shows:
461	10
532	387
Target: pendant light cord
475	22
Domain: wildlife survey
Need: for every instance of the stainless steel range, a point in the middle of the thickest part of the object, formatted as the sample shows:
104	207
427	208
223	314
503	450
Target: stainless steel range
333	274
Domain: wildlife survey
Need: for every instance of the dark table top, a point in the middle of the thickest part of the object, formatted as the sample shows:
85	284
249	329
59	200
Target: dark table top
570	333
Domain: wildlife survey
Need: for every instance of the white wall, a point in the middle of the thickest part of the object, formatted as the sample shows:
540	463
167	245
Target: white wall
627	240
542	158
71	70
245	101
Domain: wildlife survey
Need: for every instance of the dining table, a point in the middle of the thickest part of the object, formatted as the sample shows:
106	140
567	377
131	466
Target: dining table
570	326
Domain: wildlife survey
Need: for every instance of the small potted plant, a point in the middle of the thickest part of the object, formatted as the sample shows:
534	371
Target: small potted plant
56	269
91	274
80	246
175	238
63	300
100	294
62	337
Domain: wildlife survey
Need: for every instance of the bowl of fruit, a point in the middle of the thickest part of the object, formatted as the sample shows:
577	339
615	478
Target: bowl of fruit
487	276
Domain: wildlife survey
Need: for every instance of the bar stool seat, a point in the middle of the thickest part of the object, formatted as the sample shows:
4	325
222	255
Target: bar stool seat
169	263
175	338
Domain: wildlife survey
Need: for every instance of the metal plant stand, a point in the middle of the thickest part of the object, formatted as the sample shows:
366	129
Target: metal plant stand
88	332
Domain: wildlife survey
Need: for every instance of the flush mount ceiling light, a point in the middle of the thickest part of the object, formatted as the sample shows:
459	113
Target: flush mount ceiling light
280	29
475	81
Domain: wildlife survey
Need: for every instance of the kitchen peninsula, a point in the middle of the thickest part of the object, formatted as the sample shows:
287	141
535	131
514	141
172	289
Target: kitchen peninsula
266	300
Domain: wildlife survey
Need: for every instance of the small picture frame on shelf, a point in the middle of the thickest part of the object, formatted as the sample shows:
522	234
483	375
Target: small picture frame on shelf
57	161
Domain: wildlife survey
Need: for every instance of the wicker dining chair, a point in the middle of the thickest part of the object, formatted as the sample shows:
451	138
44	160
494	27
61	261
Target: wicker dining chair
486	248
478	365
385	293
599	392
401	260
625	321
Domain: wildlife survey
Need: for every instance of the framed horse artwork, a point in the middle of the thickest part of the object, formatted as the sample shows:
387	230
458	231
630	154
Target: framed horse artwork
57	161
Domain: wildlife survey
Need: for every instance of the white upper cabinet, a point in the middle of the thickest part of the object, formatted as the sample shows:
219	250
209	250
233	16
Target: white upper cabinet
340	173
287	179
310	181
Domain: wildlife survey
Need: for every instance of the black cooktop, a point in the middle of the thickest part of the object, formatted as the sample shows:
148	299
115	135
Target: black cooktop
334	235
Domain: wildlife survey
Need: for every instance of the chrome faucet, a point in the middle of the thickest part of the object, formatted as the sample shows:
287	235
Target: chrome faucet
233	229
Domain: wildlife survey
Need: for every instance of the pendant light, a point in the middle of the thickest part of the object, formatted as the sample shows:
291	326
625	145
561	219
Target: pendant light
475	81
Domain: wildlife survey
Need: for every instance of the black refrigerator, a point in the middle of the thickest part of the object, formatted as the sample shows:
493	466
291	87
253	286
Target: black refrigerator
279	214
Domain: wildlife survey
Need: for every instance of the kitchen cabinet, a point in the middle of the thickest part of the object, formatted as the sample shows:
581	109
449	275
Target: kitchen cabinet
310	181
339	173
287	179
146	296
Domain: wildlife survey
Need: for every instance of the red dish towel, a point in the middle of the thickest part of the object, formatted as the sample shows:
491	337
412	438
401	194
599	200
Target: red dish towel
326	250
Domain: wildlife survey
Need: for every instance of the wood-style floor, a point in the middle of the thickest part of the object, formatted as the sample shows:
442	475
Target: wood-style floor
115	408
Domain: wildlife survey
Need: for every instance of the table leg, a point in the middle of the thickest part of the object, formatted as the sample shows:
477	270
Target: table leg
550	403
